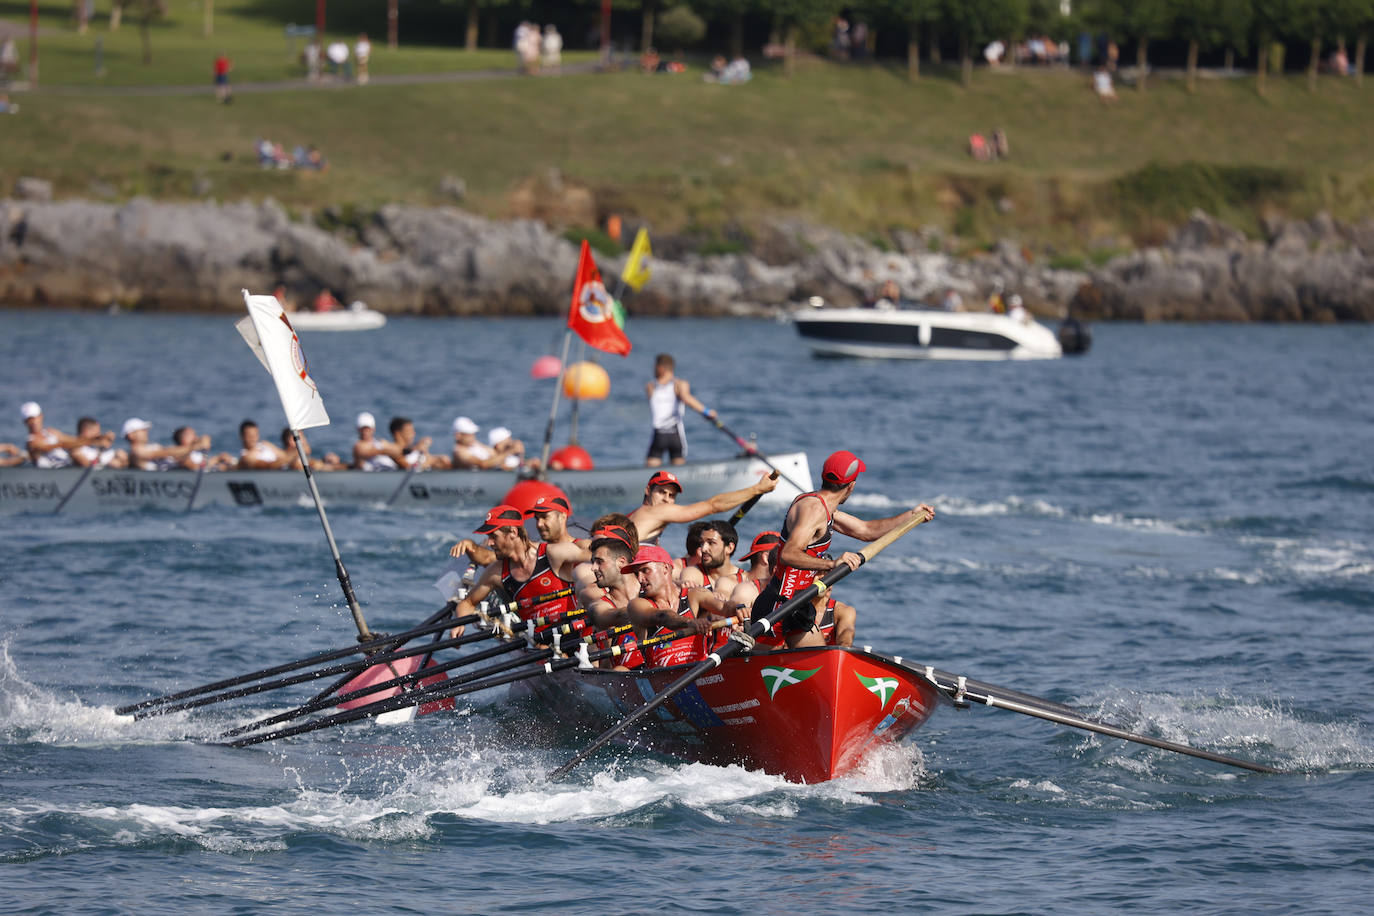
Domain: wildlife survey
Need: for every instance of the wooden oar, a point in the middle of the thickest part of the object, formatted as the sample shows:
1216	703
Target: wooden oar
758	628
90	468
962	691
751	449
753	501
542	662
429	626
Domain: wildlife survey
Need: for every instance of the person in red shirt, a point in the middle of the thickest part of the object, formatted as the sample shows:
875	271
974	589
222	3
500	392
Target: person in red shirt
222	67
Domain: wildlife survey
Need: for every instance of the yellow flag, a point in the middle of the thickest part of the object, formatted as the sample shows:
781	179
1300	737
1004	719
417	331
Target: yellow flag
637	270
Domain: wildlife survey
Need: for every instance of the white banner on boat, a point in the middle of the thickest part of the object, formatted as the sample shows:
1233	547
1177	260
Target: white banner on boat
268	331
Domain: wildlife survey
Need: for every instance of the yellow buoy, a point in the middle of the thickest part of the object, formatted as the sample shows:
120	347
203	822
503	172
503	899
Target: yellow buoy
586	382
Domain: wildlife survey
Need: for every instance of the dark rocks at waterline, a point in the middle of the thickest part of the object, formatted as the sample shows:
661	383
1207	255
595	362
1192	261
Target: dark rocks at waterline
443	260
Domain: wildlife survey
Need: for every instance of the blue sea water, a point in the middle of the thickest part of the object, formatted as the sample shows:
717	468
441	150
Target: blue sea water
1174	531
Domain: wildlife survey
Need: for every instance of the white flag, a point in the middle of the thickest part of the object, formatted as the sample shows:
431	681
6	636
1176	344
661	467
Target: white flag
268	331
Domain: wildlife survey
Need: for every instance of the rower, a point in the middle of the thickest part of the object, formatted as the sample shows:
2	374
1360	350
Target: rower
717	544
257	454
197	459
371	453
660	507
414	450
611	590
527	572
550	513
48	447
11	455
98	449
149	456
806	533
330	461
687	568
762	556
468	452
664	607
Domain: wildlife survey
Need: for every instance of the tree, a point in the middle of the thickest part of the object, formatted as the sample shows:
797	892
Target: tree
976	21
1353	18
733	11
917	16
793	13
1272	19
1143	20
680	28
474	11
1210	24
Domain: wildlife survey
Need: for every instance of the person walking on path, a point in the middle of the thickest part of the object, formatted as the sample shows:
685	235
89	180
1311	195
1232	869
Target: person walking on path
223	65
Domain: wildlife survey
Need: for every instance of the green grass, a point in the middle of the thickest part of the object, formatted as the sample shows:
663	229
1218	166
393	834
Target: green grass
858	148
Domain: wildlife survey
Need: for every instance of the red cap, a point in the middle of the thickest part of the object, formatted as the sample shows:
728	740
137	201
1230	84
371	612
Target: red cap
664	479
763	543
614	532
549	504
502	516
650	553
842	468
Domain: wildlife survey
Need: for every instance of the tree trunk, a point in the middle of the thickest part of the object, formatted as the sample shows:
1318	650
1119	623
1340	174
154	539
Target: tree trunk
393	23
1312	63
116	15
1142	61
470	34
493	39
1360	44
144	34
1261	64
646	30
1230	60
913	55
1192	65
79	14
966	59
934	42
789	50
736	35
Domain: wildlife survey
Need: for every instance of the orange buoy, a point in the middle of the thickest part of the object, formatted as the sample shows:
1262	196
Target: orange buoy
571	458
524	493
586	382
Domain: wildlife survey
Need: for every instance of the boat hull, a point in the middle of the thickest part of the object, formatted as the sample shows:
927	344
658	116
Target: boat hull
924	334
808	715
352	319
29	489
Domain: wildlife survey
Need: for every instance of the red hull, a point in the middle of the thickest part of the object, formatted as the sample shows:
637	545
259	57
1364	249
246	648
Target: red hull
807	715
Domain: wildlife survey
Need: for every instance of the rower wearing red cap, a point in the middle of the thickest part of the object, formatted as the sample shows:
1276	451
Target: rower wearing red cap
660	507
610	589
529	573
664	607
806	533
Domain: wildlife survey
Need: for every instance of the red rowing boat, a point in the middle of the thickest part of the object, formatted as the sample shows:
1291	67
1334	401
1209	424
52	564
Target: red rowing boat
807	715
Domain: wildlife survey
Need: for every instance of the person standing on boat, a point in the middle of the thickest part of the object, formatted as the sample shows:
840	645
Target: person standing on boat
806	531
668	395
660	507
530	573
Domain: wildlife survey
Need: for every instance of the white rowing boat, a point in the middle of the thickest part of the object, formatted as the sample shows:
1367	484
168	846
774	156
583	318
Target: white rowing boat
357	317
78	490
924	334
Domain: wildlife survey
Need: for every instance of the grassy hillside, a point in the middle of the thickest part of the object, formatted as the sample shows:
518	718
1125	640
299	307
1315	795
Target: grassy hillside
858	148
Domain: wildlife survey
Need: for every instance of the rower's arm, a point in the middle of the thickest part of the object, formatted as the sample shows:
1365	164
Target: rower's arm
872	529
684	394
563	558
721	502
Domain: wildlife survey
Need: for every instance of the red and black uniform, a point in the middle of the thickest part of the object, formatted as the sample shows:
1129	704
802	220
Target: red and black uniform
542	581
788	581
690	648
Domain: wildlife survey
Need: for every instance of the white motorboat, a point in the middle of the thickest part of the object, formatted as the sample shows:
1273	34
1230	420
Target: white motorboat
357	317
77	490
924	334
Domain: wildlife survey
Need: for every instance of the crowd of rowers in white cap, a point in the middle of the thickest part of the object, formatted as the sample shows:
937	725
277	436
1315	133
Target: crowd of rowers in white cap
92	446
618	587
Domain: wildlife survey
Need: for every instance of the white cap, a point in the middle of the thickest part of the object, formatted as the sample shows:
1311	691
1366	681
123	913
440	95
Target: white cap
1015	299
366	419
30	409
134	424
464	425
498	435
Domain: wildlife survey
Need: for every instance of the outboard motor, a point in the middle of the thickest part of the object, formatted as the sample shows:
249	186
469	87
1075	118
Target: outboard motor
1074	336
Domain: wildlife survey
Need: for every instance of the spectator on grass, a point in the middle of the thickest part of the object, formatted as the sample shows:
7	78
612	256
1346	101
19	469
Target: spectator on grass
552	48
649	61
337	52
362	53
310	56
994	52
223	65
9	58
1102	85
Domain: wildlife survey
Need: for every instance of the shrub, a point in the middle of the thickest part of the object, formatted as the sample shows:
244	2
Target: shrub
679	27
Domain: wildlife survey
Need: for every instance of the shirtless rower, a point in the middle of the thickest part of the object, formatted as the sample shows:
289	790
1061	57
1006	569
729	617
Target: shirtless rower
149	456
806	533
371	453
50	447
330	461
98	450
258	454
660	507
525	571
415	450
718	543
667	395
665	607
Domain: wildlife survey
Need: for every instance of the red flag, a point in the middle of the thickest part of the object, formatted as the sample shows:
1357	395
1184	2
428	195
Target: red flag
592	314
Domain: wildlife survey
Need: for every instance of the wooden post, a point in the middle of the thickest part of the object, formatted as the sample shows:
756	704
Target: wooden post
393	22
33	44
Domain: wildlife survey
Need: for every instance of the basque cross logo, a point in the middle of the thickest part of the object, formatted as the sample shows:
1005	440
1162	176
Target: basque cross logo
880	687
778	678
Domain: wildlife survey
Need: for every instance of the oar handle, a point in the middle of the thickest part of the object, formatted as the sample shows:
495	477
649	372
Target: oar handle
750	449
753	501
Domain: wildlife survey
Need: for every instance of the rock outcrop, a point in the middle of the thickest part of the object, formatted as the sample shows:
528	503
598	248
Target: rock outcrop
444	260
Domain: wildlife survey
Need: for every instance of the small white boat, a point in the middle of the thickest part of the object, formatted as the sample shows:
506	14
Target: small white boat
80	491
357	317
923	334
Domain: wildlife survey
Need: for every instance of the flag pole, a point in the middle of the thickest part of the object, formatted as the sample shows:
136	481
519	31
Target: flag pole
557	393
577	402
364	634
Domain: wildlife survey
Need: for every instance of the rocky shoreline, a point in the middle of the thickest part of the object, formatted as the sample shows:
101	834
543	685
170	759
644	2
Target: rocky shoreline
151	255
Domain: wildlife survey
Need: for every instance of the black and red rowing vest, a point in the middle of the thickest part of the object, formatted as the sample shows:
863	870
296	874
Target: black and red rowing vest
542	581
